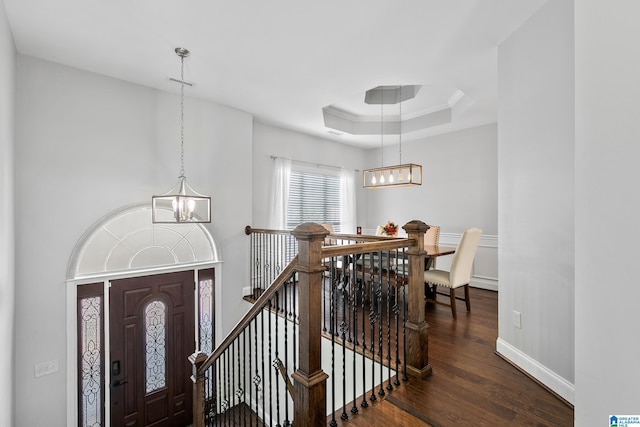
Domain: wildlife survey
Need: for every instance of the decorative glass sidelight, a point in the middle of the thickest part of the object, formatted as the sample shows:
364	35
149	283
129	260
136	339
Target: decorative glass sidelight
90	337
206	315
155	323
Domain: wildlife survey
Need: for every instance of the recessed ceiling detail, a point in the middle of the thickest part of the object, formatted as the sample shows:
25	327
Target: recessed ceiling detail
423	106
390	94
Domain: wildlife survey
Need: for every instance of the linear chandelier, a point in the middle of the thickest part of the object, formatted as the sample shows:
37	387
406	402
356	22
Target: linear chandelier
181	204
400	175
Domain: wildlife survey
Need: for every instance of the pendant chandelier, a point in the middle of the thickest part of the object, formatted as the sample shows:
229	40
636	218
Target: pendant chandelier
400	175
181	204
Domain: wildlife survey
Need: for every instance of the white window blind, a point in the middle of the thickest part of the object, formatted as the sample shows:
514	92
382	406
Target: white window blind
314	196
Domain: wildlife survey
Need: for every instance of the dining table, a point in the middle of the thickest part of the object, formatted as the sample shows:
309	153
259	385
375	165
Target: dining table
394	272
434	251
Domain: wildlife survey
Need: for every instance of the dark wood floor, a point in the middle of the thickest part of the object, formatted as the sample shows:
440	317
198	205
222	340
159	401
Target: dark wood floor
470	384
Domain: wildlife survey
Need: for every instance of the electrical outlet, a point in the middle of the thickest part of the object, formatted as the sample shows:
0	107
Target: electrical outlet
46	368
517	319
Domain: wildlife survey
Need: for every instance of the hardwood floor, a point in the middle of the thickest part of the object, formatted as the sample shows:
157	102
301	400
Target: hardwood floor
470	384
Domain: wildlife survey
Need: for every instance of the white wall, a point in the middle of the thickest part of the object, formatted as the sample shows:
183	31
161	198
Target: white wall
272	141
459	190
7	241
459	182
536	196
462	163
89	144
607	326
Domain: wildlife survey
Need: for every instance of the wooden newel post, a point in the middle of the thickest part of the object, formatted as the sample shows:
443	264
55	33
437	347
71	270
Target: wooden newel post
417	349
197	359
310	381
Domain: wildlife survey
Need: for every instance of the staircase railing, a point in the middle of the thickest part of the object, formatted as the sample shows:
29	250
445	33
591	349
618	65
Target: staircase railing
365	294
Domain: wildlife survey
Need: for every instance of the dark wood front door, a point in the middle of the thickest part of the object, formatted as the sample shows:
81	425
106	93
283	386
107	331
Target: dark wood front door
151	336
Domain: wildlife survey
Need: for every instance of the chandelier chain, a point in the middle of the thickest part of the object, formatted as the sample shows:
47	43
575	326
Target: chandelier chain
181	115
400	124
382	130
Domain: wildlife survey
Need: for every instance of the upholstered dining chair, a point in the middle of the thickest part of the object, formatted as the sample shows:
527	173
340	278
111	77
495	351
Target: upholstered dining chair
328	241
460	272
432	238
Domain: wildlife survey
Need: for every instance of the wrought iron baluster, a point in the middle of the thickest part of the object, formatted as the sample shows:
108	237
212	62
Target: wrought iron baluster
260	267
379	296
272	260
270	312
372	320
261	376
251	353
286	352
324	293
276	361
355	306
232	393
295	320
345	280
332	320
219	388
244	376
362	285
396	312
280	254
404	332
390	288
344	327
225	402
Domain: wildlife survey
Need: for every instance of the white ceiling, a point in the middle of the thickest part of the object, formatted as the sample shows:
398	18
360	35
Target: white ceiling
285	60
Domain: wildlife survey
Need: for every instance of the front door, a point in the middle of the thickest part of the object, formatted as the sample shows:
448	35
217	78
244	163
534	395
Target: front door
151	336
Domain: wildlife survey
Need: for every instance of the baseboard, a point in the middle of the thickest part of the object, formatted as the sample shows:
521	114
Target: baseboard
546	377
481	282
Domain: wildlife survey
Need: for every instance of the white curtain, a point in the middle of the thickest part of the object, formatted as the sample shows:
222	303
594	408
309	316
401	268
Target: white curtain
279	197
348	201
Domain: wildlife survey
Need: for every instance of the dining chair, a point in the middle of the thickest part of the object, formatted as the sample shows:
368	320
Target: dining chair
327	240
432	238
459	274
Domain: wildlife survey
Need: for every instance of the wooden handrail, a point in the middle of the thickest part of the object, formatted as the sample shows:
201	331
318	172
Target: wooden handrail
283	373
361	248
248	230
256	308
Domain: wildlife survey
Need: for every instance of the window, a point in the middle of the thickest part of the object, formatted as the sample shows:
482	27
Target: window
314	196
90	355
155	335
300	193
